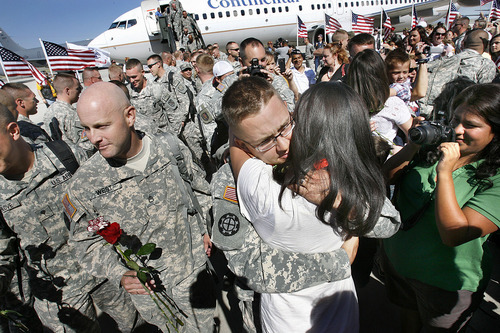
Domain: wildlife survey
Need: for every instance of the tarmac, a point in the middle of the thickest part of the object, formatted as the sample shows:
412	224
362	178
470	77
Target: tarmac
377	313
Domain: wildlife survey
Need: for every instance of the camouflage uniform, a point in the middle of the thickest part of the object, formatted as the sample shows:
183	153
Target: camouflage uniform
31	208
150	208
191	85
31	132
206	106
174	18
189	23
155	102
309	54
279	83
468	63
236	65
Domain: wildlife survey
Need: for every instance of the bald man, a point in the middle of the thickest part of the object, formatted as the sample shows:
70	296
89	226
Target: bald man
133	181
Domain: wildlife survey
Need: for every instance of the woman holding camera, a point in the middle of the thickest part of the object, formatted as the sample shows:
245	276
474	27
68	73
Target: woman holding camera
438	267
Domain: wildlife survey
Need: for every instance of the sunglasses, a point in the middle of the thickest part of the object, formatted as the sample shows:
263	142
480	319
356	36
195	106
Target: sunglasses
440	34
151	66
412	69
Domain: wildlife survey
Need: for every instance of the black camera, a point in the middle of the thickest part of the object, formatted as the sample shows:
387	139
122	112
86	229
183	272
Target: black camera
254	69
432	132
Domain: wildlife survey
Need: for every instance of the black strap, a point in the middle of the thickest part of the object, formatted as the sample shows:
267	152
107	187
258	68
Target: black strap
170	80
32	131
64	153
55	131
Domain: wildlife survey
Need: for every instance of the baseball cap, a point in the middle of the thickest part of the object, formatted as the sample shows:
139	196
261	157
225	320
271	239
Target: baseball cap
221	68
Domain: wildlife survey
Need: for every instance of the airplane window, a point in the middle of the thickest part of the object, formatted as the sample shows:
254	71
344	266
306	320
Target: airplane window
352	4
346	4
220	14
265	10
212	15
312	7
324	6
257	10
113	25
280	9
300	7
196	17
204	16
242	12
372	3
235	13
357	3
391	2
228	14
286	9
122	25
329	5
131	23
318	6
340	5
273	10
250	12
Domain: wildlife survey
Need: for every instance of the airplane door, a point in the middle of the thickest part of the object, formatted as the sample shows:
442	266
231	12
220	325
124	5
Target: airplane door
148	8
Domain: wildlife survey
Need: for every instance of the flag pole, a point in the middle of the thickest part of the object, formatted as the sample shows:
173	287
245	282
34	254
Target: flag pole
297	22
46	57
448	16
381	27
4	71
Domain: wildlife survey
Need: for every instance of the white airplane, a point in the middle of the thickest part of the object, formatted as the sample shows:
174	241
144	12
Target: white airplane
136	34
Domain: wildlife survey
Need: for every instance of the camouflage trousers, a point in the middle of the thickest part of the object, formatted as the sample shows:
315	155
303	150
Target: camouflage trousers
195	299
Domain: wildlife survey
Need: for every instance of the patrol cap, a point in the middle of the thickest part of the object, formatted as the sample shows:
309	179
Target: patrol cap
221	68
185	65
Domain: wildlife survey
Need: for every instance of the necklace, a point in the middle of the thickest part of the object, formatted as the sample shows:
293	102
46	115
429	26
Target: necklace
329	74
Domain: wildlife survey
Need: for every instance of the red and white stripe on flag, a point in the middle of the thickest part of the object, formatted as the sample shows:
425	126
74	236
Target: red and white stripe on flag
302	29
16	65
62	59
362	23
495	10
452	15
331	24
387	25
414	17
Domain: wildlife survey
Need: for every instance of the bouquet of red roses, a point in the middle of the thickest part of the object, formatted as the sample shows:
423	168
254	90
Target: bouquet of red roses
112	232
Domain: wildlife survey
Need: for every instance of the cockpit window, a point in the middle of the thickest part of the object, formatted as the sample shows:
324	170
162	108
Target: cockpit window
131	23
113	25
122	25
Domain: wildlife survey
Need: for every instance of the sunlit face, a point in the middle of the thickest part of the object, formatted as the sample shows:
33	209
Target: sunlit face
255	52
449	35
329	58
187	73
233	50
495	45
136	77
154	66
257	129
108	130
297	60
414	38
30	103
473	133
438	36
399	72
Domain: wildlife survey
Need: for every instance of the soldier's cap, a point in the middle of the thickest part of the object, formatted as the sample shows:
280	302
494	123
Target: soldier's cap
185	66
221	68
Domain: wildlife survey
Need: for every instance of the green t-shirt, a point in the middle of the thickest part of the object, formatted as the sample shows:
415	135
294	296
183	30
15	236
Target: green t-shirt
419	252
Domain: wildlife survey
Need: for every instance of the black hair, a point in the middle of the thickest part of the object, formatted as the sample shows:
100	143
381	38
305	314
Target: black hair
368	77
332	123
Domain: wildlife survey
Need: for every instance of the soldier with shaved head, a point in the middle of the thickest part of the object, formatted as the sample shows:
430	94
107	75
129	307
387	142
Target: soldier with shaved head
132	181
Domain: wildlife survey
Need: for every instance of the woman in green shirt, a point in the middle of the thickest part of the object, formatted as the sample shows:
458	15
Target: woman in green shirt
437	270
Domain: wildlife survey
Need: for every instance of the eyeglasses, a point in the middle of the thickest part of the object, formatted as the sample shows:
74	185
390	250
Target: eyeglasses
412	69
271	142
151	65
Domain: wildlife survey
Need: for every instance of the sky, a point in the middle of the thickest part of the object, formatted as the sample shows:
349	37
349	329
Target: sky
73	20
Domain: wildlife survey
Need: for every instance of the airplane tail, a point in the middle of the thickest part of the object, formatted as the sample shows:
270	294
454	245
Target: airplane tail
9	43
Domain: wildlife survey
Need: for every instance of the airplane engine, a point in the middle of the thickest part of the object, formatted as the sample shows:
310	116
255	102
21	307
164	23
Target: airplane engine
468	3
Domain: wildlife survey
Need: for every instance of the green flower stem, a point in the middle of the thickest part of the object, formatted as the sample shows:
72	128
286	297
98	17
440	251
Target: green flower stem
155	298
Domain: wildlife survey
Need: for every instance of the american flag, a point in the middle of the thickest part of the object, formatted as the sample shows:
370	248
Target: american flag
301	29
1	83
498	63
62	59
452	15
495	10
362	23
414	17
331	24
15	65
386	25
484	2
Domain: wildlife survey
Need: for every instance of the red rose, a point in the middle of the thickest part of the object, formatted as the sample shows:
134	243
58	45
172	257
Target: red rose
111	233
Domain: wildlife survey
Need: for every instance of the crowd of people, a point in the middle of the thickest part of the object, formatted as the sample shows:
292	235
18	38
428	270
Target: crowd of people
286	166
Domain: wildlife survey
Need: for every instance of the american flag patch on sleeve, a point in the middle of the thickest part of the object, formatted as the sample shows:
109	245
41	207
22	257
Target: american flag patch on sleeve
230	194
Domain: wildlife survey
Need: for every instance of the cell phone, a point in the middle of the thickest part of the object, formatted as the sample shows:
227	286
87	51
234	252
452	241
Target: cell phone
281	63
